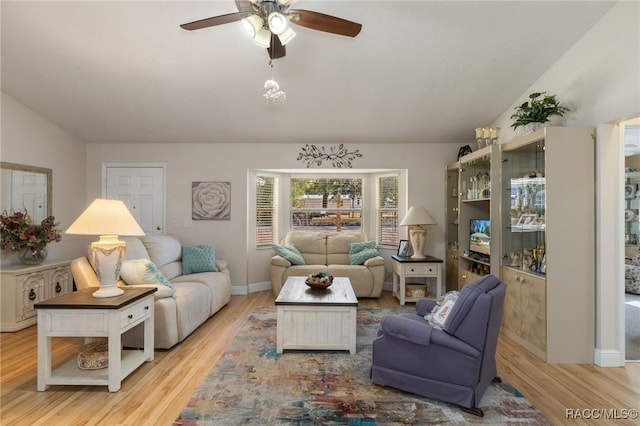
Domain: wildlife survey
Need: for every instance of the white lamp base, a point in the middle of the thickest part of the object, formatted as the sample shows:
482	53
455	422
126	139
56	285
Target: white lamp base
418	237
107	254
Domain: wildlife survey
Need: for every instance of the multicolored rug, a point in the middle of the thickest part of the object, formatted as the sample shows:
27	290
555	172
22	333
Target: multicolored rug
253	384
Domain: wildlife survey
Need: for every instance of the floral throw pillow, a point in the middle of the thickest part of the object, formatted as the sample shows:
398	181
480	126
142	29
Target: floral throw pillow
441	310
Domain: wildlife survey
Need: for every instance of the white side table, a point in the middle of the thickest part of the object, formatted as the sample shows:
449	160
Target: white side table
403	267
80	314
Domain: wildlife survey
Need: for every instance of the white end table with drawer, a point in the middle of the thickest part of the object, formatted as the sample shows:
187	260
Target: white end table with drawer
79	314
406	267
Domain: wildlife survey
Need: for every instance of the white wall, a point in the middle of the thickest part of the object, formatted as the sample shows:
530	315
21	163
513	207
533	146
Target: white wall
28	138
599	78
230	161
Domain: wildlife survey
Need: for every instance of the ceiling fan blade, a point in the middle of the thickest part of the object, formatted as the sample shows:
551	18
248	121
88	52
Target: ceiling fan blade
327	23
276	49
216	20
244	6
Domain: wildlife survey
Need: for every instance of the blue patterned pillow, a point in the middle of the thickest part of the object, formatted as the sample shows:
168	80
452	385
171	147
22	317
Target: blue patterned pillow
361	252
198	259
291	253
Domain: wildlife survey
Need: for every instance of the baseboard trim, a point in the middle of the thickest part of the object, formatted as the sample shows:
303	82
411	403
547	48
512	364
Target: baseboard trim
604	358
242	290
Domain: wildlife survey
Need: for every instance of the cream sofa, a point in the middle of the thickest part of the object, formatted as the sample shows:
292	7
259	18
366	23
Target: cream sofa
178	311
329	252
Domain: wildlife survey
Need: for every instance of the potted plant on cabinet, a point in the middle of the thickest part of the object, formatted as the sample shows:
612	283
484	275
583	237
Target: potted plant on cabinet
532	114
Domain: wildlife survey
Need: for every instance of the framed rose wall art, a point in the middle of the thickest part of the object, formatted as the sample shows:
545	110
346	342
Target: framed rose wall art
211	200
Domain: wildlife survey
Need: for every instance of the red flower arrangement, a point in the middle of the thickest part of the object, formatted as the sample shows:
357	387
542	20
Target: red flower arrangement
17	231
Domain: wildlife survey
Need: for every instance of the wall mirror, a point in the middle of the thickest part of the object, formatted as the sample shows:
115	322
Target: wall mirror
26	187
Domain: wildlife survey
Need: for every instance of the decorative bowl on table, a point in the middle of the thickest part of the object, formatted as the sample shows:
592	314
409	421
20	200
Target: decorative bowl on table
319	280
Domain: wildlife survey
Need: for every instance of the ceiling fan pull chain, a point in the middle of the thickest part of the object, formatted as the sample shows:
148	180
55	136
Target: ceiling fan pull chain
273	95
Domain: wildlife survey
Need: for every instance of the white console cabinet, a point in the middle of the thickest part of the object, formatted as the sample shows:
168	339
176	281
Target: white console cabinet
21	287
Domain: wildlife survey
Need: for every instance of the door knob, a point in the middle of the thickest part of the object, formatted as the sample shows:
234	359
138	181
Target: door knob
158	228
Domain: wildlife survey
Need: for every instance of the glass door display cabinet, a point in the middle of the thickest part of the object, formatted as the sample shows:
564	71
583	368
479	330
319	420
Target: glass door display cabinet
524	208
478	180
452	195
547	251
632	207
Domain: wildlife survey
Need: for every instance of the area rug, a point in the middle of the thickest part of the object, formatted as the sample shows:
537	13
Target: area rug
253	384
632	327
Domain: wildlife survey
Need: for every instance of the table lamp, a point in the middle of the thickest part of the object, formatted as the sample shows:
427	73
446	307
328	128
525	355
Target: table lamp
108	219
415	218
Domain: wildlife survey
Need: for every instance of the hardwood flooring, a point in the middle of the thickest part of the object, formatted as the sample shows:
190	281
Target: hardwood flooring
156	392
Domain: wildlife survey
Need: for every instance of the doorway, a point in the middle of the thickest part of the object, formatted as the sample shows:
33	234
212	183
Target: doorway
142	188
630	131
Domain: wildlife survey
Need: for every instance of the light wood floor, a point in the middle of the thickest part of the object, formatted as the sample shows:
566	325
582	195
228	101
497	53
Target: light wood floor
156	392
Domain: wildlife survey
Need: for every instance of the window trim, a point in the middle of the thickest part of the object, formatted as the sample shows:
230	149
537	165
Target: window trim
368	190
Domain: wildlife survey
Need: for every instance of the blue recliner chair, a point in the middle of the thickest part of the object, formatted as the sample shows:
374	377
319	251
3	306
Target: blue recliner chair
455	364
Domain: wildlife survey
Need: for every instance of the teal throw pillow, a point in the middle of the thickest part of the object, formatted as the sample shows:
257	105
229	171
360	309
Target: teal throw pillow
198	259
291	253
361	252
142	271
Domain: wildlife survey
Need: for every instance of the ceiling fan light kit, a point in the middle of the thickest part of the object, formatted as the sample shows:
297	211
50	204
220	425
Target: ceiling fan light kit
252	24
263	38
267	21
277	22
286	36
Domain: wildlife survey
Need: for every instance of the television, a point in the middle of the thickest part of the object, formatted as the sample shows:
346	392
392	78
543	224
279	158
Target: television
480	236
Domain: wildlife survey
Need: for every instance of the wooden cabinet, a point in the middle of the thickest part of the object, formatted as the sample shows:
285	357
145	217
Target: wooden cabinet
547	202
476	179
524	313
452	269
451	229
465	277
22	287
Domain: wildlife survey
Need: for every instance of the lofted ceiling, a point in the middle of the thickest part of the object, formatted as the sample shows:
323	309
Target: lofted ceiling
420	71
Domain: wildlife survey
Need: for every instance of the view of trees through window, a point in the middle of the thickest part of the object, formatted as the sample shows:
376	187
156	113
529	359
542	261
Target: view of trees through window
326	203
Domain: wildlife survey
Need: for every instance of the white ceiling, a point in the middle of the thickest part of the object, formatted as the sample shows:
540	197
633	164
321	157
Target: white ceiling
420	71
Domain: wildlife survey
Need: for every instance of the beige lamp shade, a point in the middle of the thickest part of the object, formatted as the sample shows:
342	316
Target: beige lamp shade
105	217
417	216
108	219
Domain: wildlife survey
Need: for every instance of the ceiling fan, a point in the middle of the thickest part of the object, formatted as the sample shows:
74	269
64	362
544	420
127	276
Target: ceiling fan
267	21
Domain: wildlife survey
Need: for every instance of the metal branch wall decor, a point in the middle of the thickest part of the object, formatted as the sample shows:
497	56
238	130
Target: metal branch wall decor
339	156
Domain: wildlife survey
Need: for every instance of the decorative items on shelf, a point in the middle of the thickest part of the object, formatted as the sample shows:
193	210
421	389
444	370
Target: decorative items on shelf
532	259
486	136
18	233
532	114
479	186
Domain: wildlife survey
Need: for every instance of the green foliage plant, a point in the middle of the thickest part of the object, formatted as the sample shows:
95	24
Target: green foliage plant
537	109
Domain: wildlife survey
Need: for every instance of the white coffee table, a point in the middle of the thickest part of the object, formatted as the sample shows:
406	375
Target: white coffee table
315	319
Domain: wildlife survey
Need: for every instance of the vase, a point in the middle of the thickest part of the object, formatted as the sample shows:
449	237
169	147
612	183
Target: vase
33	255
529	128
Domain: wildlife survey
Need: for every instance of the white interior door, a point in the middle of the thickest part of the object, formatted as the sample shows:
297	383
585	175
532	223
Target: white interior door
29	192
141	188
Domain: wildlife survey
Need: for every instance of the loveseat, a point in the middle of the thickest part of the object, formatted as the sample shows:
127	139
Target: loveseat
329	252
183	302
